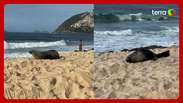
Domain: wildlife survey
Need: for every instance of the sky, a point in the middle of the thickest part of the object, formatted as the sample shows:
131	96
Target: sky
40	17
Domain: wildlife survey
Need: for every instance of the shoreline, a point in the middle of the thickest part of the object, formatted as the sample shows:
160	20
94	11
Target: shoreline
145	47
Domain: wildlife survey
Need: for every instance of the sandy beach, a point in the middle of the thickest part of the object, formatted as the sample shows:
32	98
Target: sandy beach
29	78
85	75
114	78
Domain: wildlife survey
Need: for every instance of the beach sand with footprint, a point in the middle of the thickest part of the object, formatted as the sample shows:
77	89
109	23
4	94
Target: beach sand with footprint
29	78
84	76
114	78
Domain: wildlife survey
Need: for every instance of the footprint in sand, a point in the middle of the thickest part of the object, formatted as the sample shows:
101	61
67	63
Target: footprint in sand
16	67
36	69
48	69
52	85
53	81
23	64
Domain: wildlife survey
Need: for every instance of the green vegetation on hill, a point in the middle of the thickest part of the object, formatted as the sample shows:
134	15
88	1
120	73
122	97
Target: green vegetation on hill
77	23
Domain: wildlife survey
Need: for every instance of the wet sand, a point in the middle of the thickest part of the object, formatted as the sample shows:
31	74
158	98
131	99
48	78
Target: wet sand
29	78
114	78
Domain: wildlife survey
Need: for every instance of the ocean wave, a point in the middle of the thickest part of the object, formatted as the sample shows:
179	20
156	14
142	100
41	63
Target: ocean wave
129	39
165	30
170	29
117	17
115	32
17	55
14	45
130	17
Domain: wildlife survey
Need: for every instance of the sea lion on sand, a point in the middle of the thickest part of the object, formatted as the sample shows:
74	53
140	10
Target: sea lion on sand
50	54
141	55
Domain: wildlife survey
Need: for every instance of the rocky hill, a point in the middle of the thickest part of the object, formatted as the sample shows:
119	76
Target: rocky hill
83	22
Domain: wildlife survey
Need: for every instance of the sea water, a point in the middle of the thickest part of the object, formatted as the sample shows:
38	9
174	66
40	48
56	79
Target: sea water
18	44
119	27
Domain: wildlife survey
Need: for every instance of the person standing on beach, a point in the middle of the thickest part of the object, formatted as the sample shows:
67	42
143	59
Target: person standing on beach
81	45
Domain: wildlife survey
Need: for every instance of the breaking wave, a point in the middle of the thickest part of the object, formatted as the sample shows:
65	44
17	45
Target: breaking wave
166	30
117	17
115	32
129	39
15	45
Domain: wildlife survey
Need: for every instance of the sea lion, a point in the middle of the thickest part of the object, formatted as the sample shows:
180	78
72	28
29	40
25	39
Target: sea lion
141	55
50	54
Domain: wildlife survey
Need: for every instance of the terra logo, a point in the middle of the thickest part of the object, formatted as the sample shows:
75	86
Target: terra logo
169	12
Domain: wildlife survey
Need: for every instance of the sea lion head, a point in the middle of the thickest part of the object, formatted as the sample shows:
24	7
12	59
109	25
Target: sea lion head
31	51
128	59
35	54
140	55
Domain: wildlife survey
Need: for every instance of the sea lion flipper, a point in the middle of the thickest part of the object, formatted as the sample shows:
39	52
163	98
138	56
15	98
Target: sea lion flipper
62	57
164	54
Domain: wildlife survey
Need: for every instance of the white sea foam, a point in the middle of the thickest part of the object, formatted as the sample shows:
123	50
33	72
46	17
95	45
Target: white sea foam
137	14
118	40
120	32
129	17
14	45
17	55
166	29
170	29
